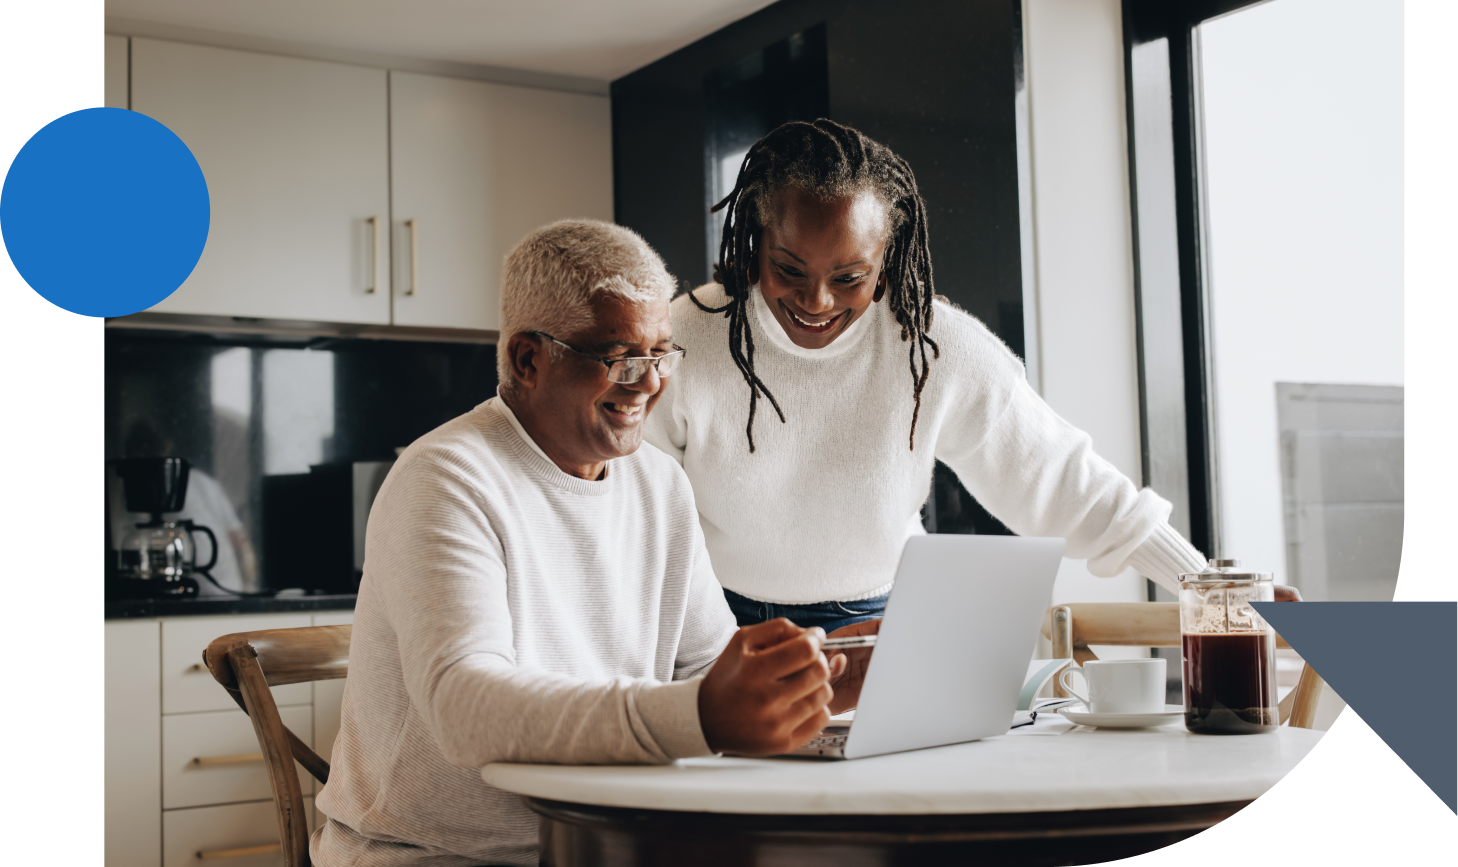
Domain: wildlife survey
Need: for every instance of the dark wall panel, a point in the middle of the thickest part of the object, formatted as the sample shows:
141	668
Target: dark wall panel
932	80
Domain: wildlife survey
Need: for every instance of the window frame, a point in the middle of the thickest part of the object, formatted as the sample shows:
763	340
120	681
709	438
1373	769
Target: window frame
1171	269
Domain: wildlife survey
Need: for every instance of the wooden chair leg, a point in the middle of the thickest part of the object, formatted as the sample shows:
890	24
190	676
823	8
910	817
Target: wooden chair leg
1062	643
272	736
1304	698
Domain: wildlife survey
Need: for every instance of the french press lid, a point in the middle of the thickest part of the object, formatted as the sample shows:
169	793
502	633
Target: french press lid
1225	571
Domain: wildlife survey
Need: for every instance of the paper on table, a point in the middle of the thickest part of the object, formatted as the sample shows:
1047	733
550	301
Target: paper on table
1046	723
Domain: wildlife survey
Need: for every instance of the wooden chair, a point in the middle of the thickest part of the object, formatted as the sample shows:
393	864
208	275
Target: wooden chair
247	664
1072	628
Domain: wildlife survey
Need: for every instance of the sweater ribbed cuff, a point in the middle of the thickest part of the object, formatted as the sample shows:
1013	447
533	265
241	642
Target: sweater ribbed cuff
671	713
1164	555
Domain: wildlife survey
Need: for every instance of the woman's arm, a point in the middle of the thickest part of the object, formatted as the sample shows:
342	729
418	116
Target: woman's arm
1040	476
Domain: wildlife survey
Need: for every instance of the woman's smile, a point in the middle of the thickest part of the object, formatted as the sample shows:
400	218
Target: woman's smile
811	324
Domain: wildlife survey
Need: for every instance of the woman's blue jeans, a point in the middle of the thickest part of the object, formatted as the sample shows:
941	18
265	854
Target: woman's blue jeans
829	616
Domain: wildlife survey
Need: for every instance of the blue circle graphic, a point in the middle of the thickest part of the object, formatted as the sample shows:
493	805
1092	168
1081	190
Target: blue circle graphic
104	212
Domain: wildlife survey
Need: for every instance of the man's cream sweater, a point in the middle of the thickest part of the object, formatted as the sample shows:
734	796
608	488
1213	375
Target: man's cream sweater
822	508
512	612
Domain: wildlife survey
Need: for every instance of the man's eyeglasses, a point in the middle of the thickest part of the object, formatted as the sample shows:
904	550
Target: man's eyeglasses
626	371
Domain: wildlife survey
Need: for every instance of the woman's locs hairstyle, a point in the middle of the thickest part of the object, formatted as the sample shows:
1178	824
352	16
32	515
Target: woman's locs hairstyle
832	161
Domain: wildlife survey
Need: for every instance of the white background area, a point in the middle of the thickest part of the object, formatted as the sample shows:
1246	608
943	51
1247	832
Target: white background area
1303	135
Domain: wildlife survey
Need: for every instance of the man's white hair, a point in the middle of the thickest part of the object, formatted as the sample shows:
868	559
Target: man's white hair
552	277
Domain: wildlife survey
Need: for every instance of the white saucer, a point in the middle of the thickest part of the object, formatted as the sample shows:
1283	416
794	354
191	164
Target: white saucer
1173	713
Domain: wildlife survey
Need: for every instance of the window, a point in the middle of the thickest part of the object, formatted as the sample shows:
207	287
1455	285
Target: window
1266	155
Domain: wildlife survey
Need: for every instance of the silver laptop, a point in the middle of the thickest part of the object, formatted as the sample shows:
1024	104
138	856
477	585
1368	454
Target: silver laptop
960	626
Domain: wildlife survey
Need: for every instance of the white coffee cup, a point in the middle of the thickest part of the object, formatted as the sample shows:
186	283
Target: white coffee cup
1120	685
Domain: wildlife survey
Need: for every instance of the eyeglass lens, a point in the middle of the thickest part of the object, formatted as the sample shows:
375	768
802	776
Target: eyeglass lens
631	370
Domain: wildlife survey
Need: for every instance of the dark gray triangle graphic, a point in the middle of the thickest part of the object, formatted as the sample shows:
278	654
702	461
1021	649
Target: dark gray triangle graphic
1392	662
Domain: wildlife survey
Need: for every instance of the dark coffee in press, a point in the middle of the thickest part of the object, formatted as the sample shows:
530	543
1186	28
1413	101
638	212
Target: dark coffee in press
1230	683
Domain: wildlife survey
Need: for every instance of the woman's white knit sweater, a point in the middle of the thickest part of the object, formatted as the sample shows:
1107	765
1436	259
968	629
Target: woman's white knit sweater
821	509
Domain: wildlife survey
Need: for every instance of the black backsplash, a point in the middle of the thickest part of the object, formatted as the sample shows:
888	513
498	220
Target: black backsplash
242	408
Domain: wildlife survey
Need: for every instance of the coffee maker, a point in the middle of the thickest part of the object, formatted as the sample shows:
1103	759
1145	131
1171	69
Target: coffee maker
157	557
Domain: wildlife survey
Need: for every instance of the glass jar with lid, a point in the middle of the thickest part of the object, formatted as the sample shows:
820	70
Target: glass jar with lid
1229	651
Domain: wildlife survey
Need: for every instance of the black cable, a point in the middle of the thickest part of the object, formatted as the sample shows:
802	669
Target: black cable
211	580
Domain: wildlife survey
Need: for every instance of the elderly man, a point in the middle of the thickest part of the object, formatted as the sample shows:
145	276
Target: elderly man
536	587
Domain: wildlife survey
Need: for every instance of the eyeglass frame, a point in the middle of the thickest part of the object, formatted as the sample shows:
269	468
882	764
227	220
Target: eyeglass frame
609	362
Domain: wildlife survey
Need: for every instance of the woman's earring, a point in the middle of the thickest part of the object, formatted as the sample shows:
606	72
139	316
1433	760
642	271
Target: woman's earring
880	289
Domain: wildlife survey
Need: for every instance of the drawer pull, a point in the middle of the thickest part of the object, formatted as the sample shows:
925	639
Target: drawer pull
208	855
239	759
196	668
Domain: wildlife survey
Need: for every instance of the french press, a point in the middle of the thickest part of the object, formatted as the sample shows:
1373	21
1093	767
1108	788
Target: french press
1229	651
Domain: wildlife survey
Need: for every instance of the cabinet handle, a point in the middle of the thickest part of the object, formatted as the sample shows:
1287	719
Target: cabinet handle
414	274
196	668
239	759
208	855
374	255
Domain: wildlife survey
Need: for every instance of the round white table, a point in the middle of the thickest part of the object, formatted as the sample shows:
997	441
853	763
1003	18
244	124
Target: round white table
1083	796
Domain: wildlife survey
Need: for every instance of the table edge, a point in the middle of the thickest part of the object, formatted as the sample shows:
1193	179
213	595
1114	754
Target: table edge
979	826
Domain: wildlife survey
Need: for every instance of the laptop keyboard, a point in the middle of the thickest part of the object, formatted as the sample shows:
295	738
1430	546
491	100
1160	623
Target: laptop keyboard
824	741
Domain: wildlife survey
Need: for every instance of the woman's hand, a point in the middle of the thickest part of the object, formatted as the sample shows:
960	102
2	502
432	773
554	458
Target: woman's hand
847	684
1287	594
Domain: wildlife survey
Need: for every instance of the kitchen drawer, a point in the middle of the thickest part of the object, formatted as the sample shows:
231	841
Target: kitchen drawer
328	694
185	737
188	686
217	831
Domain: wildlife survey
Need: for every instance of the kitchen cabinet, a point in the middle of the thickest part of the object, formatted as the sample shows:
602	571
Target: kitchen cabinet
302	159
133	763
475	167
231	834
162	806
116	68
188	686
296	157
203	757
328	695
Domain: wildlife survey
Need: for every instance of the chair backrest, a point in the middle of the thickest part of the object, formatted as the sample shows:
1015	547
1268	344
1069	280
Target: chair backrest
1072	628
247	664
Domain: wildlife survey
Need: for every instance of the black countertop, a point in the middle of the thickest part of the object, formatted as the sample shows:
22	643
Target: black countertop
117	609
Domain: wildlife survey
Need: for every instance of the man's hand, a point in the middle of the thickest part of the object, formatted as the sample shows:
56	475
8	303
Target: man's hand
768	691
847	684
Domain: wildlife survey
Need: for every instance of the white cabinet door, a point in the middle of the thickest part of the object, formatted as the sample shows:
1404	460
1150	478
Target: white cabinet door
133	761
475	167
295	153
116	72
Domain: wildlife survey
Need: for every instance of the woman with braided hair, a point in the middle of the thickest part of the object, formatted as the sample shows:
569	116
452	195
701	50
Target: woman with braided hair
825	377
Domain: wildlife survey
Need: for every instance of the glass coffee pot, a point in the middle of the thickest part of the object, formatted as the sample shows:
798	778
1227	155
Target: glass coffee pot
1229	651
164	551
158	557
